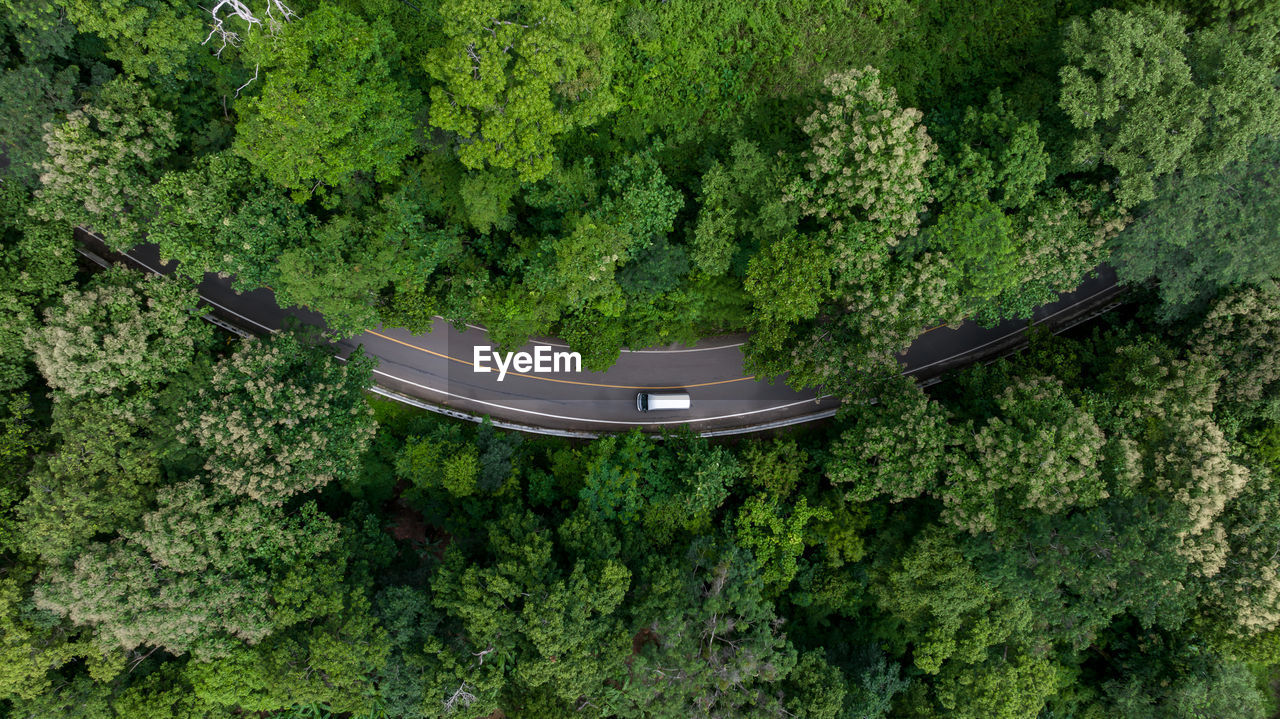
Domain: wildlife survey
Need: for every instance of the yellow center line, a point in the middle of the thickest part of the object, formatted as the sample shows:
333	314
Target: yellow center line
550	379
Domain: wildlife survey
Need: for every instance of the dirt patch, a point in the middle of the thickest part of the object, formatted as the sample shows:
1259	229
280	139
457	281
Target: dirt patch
406	523
643	637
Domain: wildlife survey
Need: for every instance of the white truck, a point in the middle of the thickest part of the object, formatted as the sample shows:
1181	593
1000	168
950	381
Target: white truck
657	401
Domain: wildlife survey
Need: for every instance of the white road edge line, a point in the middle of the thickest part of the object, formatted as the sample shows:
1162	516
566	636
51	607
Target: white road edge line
602	421
503	406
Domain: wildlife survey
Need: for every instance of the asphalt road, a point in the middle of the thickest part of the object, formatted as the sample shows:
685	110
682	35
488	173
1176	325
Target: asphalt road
437	368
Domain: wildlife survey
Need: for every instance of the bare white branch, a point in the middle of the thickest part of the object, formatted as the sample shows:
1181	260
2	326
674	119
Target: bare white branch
276	15
460	696
482	654
250	81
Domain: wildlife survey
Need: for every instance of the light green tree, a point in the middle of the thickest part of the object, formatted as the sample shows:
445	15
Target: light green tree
1039	453
101	160
205	572
329	107
895	446
867	158
153	39
222	216
1239	333
516	74
99	481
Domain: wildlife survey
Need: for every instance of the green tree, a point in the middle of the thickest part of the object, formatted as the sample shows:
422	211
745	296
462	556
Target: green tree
545	627
1239	333
1204	234
329	107
30	646
690	482
897	445
787	281
153	39
36	262
205	572
221	216
774	531
981	242
956	614
1149	100
101	160
124	331
440	461
40	29
1015	244
738	199
578	269
1040	453
876	312
1058	239
867	158
991	154
325	662
99	481
34	95
1016	687
711	643
280	417
516	74
617	472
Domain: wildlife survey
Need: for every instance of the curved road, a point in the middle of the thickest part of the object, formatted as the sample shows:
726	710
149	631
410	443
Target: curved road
437	369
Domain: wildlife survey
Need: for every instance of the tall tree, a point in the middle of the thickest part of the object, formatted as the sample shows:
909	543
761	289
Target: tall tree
281	417
125	331
329	106
1149	100
516	74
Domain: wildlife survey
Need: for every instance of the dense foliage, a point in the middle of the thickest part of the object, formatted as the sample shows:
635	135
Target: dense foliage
629	174
196	525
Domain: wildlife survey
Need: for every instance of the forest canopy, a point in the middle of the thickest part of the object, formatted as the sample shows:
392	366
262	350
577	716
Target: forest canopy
203	526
